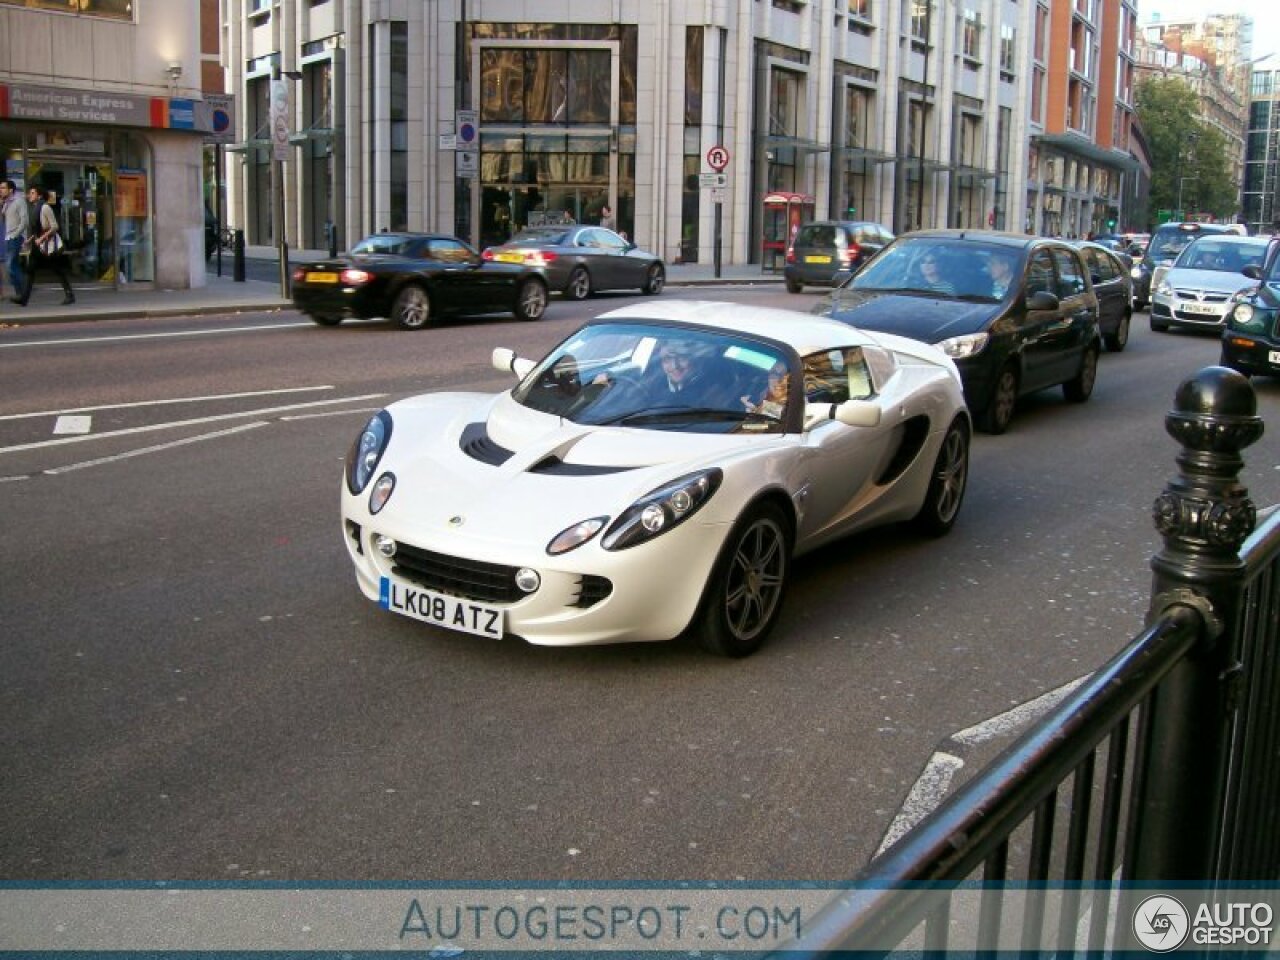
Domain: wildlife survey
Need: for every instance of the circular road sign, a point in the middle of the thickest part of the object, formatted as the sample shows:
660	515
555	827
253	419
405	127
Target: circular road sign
467	133
718	158
221	120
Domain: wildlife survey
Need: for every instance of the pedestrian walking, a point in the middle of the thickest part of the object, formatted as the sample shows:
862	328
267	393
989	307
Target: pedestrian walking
45	249
13	216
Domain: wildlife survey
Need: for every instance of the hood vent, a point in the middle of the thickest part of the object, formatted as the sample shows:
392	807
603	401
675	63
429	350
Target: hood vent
555	466
478	445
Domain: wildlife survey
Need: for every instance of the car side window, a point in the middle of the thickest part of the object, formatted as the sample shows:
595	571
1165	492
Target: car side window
1070	273
448	251
834	376
1040	274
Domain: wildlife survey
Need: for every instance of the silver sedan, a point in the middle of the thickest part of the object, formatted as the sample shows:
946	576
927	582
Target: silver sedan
577	260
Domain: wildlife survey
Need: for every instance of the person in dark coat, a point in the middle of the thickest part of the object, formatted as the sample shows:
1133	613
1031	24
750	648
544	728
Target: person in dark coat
42	229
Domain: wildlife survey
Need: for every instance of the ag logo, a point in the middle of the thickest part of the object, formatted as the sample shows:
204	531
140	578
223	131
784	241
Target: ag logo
1161	923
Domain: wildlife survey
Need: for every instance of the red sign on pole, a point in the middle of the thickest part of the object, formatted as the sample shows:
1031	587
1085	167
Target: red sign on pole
718	158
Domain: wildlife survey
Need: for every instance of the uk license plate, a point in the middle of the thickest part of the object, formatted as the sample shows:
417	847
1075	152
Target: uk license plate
509	257
440	609
1273	357
321	277
1208	309
815	258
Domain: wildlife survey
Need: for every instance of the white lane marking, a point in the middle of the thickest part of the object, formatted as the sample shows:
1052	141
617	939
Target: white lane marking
925	795
161	403
76	341
14	479
72	424
54	471
330	413
187	423
1012	719
931	787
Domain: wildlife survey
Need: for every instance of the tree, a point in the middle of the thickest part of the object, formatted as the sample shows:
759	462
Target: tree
1188	156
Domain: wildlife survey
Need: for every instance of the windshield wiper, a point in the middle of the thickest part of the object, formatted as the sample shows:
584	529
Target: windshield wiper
668	413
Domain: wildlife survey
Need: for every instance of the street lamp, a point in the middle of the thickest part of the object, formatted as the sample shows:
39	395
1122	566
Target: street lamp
1192	137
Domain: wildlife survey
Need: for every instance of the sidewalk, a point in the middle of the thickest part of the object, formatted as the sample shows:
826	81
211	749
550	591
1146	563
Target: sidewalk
224	295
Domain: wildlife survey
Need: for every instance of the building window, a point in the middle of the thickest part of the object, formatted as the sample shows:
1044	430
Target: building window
1008	46
545	85
1042	34
784	103
860	9
399	94
106	9
972	39
920	20
1037	95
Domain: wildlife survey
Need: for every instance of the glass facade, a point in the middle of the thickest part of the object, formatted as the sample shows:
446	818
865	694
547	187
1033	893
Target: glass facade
105	9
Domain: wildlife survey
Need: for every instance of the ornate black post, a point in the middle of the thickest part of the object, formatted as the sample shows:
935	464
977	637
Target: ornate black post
1204	515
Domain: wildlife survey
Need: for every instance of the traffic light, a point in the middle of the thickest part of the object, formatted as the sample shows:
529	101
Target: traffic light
1111	224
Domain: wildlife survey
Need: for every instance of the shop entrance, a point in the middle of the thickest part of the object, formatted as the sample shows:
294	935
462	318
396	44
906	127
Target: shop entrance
506	209
81	192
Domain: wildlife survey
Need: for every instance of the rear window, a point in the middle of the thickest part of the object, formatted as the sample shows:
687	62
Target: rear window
540	235
1169	241
816	235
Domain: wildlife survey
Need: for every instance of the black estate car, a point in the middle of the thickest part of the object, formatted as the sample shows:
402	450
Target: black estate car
412	278
822	250
1016	313
1109	272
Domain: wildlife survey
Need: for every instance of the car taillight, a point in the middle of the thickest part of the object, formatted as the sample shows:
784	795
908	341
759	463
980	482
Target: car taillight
791	255
486	253
299	273
850	254
539	258
354	278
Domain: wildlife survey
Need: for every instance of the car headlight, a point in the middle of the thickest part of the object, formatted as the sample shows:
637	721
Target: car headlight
381	492
1245	315
365	453
1164	289
575	536
663	509
1136	273
957	348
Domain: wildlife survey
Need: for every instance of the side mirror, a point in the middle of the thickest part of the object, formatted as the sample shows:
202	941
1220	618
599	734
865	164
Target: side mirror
852	413
1043	300
505	359
1253	271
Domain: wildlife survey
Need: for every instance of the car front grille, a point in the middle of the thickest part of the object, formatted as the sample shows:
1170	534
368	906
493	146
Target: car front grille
591	590
1203	296
473	579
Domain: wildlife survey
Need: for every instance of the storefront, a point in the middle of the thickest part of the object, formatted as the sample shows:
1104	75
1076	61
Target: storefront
95	155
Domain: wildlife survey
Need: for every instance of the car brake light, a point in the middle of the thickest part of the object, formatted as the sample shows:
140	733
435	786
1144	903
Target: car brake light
299	273
486	253
539	258
791	255
850	254
354	277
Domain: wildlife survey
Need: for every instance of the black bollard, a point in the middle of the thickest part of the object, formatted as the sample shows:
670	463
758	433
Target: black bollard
237	268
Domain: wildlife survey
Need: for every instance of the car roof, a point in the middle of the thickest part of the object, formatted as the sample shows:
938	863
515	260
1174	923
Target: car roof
1000	237
805	332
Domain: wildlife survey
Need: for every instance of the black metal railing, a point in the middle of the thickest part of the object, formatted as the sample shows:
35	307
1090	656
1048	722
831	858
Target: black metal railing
1163	766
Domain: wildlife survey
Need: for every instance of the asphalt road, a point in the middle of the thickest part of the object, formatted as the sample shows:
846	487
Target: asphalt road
193	687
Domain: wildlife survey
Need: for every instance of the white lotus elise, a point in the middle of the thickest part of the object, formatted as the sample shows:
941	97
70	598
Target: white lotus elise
653	475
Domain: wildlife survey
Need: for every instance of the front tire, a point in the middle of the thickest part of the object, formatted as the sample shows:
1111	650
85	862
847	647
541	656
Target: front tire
794	286
654	280
946	487
412	308
1004	397
1079	388
531	300
744	593
579	286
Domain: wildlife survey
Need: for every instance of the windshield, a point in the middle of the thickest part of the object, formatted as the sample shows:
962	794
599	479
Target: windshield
1221	256
1168	244
664	378
943	267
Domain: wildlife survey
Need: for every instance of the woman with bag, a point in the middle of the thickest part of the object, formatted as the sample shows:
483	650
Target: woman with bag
43	248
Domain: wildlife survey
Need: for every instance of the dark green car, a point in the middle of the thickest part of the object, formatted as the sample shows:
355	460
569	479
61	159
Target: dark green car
1251	335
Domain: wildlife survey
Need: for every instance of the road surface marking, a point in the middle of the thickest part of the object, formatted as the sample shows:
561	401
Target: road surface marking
186	423
160	403
72	424
54	471
150	336
931	787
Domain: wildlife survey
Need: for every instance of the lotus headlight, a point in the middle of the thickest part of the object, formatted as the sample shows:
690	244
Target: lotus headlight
575	536
957	348
662	509
365	453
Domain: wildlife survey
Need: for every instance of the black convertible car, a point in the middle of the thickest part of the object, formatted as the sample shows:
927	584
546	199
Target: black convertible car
413	278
